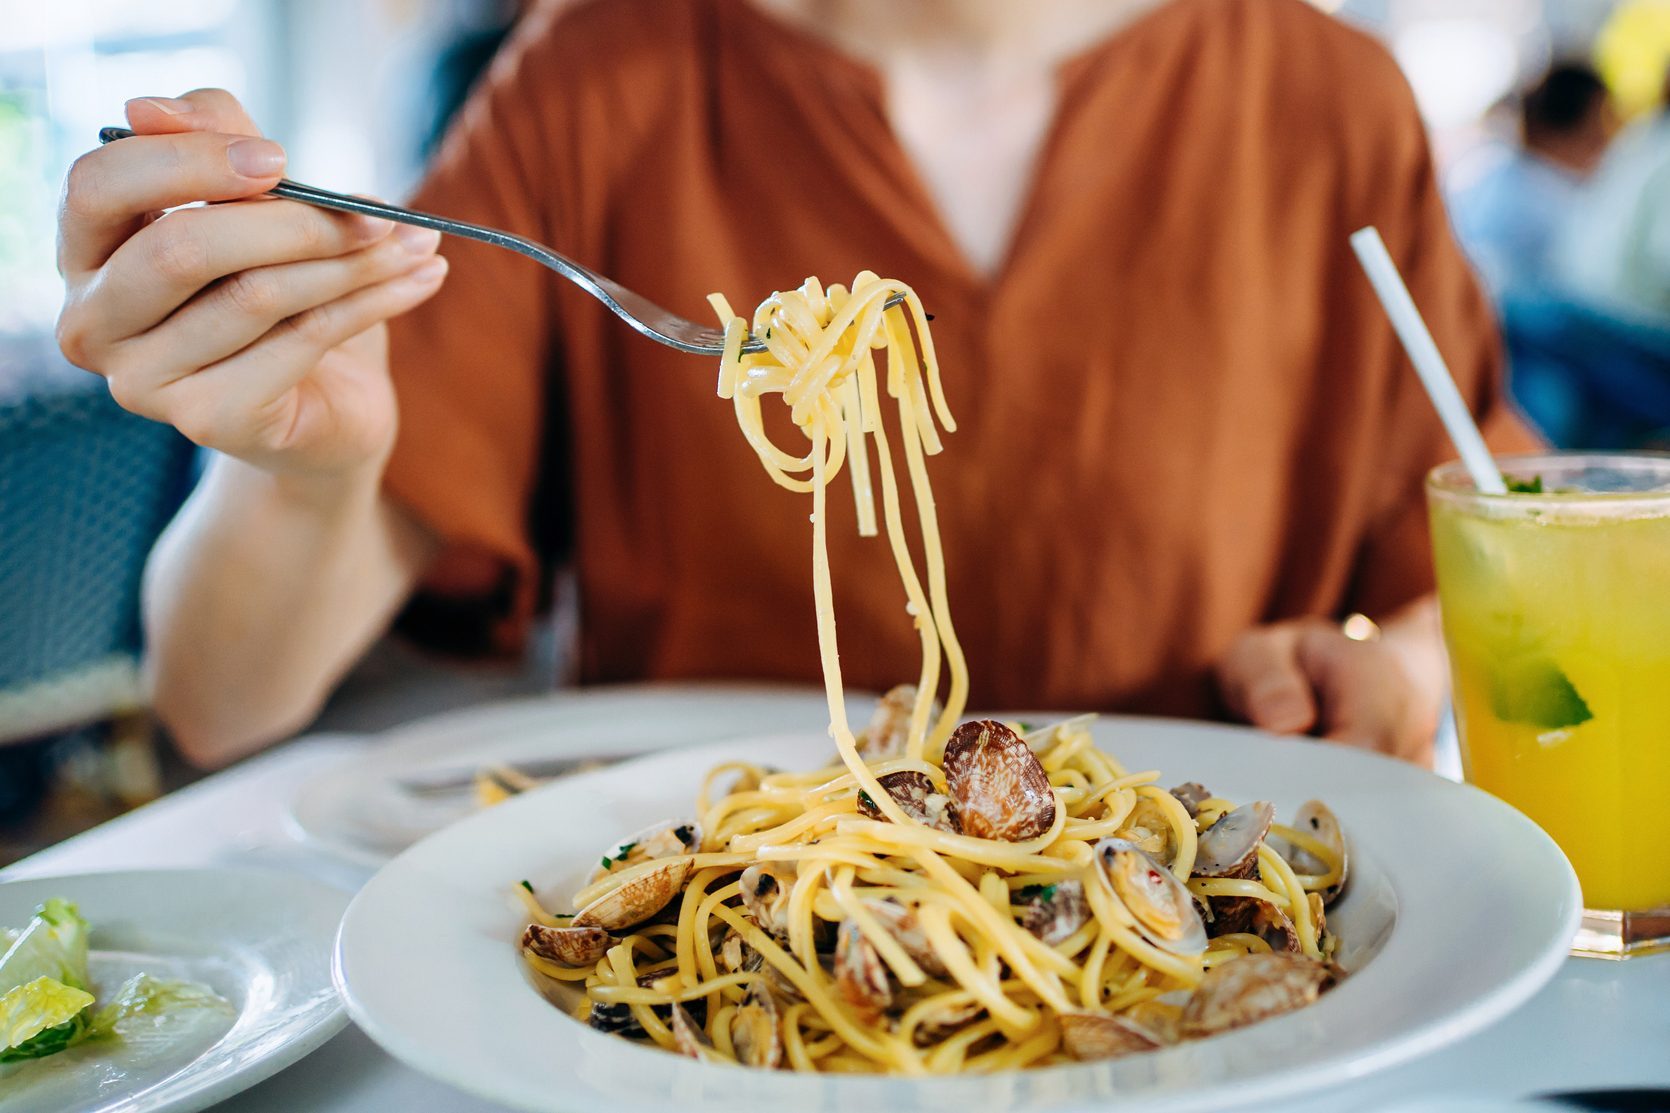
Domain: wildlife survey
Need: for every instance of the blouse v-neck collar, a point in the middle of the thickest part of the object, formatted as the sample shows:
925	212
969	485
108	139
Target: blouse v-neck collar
857	89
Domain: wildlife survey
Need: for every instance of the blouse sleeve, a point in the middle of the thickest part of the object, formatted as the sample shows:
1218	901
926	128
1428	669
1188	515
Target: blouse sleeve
474	368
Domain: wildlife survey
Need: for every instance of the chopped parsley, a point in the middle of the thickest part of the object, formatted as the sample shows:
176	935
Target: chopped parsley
526	886
1024	727
1042	893
1532	486
619	855
865	800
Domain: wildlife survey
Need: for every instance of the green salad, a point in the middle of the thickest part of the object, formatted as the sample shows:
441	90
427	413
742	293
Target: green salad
47	1002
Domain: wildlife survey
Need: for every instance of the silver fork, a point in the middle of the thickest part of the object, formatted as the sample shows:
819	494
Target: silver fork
633	308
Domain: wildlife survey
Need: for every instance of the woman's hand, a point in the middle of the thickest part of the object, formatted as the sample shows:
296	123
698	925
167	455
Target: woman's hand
1305	676
252	325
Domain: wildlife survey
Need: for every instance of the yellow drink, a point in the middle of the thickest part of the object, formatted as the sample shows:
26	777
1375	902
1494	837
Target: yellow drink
1557	616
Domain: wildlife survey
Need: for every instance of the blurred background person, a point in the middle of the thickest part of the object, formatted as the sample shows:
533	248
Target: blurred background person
1614	251
1510	215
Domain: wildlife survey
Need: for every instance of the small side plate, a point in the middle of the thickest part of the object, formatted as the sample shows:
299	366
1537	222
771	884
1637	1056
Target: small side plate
260	939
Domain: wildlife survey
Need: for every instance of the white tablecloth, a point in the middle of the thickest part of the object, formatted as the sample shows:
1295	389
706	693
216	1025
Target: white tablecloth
1597	1025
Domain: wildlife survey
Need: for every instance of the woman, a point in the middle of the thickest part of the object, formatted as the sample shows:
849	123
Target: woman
1188	443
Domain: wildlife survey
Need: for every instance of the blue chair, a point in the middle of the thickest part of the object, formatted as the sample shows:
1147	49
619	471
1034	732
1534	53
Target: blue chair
1587	378
85	488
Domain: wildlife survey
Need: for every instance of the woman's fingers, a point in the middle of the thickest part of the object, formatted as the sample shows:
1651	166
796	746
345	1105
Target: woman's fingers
235	405
165	265
198	110
235	312
1263	683
111	190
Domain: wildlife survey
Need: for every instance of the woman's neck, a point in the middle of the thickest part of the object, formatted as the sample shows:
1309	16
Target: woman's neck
970	92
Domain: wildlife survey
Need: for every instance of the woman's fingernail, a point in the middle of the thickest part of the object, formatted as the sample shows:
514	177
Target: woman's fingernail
427	272
418	241
256	158
167	105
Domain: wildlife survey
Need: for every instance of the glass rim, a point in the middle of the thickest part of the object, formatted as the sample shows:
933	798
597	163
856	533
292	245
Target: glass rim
1451	481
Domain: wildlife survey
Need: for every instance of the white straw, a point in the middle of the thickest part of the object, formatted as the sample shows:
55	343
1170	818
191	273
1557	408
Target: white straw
1423	352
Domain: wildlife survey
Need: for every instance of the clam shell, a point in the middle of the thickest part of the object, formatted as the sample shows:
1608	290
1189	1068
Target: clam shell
1148	828
946	1020
689	1037
666	839
1229	848
737	957
1318	913
1316	819
1273	926
1054	920
636	900
1089	1036
1163	1020
567	946
1192	794
1163	907
765	893
914	792
1252	988
860	978
755	1033
888	732
900	922
998	784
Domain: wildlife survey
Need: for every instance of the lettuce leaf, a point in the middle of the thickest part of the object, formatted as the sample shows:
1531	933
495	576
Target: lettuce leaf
145	996
41	1017
52	945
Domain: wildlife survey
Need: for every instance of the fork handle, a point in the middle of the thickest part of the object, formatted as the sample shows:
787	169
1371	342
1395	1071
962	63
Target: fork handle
365	206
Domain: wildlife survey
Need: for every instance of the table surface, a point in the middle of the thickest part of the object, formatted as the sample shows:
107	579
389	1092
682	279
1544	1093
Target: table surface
1597	1025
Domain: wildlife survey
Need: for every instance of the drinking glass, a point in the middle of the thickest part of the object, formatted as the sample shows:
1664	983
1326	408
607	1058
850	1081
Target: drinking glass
1556	609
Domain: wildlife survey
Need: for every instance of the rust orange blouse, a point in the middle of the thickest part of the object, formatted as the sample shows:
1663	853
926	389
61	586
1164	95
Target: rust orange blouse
1181	411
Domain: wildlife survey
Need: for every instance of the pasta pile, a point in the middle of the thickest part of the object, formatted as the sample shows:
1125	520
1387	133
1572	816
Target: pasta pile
944	897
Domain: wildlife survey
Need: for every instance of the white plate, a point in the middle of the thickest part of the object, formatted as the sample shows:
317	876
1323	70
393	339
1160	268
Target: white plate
359	812
1459	909
260	939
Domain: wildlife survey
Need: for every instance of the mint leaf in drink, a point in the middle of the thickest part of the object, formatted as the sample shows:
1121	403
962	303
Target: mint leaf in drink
1532	486
1535	692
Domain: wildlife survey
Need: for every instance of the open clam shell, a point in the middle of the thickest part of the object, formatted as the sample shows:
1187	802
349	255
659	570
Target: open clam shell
999	786
765	894
861	980
1252	988
636	900
1273	926
1163	907
901	923
666	839
1089	1036
888	732
915	793
1229	848
1148	827
1317	820
1056	912
1192	794
755	1031
689	1037
567	946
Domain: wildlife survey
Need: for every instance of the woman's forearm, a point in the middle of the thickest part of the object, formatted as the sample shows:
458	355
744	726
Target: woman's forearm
261	594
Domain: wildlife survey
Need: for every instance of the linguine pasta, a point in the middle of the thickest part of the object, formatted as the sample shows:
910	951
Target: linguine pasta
942	897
